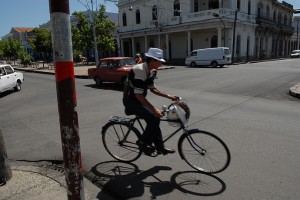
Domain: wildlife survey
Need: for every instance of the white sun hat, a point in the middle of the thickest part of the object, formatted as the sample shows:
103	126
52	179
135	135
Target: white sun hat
155	53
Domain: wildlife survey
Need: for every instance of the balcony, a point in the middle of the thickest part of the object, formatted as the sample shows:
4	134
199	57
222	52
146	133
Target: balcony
167	19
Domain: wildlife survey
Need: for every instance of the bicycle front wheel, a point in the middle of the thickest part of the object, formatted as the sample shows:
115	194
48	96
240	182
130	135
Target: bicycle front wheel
119	140
204	151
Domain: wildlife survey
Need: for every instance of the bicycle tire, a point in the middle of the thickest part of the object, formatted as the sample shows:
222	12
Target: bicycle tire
113	140
214	159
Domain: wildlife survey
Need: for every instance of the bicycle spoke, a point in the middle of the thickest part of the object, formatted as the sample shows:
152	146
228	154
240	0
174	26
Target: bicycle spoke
120	141
204	151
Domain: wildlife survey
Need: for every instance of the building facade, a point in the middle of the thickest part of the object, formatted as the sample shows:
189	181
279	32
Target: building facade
295	40
22	34
179	26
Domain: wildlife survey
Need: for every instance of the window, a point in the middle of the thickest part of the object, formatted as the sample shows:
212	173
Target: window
279	18
285	20
151	43
154	12
268	12
212	4
249	7
196	6
124	19
214	41
138	17
274	16
238	5
103	64
9	70
176	8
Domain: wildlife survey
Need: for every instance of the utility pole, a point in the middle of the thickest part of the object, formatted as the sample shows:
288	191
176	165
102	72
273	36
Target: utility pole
233	42
66	96
298	47
95	38
5	169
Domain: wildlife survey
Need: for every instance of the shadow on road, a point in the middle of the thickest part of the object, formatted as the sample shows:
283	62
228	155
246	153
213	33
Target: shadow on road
125	181
106	86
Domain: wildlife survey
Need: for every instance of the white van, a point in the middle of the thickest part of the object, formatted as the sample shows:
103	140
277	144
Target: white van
219	56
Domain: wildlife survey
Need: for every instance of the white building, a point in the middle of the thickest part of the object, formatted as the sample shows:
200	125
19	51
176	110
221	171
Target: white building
179	26
295	41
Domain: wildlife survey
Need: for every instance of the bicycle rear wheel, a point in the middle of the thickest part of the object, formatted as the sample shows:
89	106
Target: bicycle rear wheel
119	140
204	151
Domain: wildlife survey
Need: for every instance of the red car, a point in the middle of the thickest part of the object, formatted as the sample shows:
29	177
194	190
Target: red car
113	69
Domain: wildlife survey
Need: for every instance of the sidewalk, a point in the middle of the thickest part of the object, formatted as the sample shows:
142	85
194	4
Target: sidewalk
80	70
295	91
43	180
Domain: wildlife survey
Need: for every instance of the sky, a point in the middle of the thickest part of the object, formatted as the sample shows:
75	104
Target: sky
32	13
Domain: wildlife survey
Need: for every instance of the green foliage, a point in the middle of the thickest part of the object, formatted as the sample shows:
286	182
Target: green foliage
10	48
83	36
42	40
25	58
2	48
76	57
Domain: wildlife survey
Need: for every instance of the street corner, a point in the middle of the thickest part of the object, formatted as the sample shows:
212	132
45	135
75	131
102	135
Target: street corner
33	182
295	91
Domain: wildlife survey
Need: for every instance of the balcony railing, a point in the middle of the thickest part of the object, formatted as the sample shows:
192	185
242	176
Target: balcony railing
189	18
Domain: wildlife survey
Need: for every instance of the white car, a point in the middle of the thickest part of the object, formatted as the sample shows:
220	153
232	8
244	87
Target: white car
295	54
9	79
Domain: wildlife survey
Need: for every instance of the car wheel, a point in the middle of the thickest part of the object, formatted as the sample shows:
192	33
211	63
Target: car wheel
98	81
18	86
214	64
193	64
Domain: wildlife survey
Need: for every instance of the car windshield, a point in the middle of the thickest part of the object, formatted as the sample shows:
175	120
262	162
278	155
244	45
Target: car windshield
129	61
226	51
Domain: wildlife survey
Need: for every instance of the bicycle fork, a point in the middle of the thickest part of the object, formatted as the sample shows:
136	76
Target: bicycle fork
199	149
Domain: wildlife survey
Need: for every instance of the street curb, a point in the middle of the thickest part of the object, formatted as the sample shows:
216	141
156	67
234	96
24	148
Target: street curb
76	75
294	91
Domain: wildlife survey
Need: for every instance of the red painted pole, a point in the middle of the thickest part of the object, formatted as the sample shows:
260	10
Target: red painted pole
66	96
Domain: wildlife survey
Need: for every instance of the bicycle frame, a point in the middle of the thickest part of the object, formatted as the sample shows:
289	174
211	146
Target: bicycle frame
132	121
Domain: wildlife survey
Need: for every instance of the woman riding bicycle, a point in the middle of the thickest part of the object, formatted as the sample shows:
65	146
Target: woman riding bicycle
140	79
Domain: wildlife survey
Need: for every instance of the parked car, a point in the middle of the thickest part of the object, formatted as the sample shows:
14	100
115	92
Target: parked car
210	56
9	79
295	54
113	69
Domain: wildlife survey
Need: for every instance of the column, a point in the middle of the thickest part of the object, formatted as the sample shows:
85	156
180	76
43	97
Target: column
122	47
119	45
219	37
158	40
133	47
168	47
189	42
146	44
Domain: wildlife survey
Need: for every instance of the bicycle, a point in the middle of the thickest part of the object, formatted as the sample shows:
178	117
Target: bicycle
202	150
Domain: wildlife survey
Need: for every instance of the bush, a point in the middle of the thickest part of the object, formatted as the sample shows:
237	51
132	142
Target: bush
76	57
25	58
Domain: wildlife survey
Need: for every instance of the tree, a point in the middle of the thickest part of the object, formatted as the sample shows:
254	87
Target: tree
41	42
82	37
11	48
104	27
82	32
1	48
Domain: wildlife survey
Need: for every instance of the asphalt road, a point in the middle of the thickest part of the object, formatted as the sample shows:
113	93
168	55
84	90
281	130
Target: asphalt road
247	105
